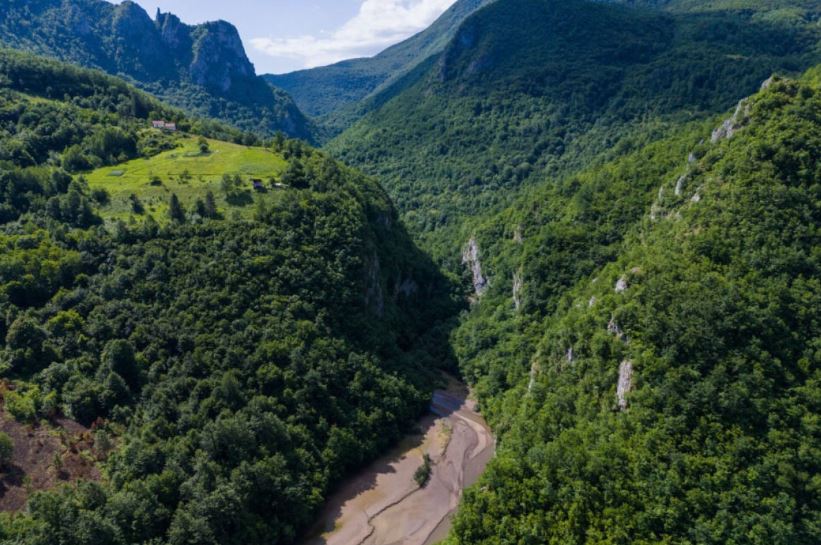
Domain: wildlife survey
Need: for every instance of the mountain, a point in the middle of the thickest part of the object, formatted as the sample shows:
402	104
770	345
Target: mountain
638	247
612	213
334	91
647	341
224	360
201	68
529	90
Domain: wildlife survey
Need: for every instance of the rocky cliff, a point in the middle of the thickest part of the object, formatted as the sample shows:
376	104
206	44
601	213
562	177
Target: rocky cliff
201	68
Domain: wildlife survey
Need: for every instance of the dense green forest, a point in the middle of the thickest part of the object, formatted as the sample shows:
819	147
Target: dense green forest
618	208
670	396
234	369
507	105
202	69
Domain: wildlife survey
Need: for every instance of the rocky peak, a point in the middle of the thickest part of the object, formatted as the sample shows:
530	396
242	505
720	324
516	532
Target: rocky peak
132	20
174	33
138	51
219	57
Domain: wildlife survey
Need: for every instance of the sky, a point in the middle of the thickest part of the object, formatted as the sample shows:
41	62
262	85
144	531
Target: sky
285	35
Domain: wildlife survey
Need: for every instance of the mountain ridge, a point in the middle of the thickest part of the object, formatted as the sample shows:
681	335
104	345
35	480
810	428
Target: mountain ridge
335	93
527	91
201	68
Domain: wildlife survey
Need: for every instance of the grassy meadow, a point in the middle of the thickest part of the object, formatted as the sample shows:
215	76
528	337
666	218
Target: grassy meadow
188	173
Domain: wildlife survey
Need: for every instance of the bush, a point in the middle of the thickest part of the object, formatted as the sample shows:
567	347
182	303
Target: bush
422	475
22	407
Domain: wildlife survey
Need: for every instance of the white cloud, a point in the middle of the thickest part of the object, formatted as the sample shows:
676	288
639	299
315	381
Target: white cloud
379	24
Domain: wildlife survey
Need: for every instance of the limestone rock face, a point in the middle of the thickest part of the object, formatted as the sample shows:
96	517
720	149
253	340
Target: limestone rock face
176	35
625	384
200	68
470	258
137	51
518	284
735	123
219	57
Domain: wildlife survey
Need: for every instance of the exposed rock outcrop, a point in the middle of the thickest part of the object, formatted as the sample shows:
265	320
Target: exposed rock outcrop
625	384
734	124
518	284
680	185
219	57
471	258
621	285
201	68
615	329
535	368
767	83
406	287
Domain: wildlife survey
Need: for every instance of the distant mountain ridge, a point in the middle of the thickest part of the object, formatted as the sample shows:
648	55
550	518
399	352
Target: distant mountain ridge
202	68
529	90
335	91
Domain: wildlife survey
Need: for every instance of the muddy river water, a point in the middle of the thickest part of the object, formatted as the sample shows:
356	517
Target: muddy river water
383	505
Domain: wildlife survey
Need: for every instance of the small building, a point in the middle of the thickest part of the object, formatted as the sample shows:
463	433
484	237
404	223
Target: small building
164	126
257	183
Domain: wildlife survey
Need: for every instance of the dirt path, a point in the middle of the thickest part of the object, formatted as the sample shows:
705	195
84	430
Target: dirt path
384	506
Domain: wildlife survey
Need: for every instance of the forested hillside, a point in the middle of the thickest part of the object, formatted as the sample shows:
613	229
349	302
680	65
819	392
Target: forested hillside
336	94
202	69
231	369
648	342
204	330
530	90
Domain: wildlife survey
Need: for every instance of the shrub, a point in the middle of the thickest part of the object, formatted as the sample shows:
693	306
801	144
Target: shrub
422	474
22	407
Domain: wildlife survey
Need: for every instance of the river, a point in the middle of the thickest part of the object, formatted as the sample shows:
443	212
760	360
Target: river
383	505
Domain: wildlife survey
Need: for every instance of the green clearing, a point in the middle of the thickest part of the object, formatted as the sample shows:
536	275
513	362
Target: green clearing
189	174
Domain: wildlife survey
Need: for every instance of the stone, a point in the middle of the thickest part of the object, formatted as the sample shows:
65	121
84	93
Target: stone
470	257
625	384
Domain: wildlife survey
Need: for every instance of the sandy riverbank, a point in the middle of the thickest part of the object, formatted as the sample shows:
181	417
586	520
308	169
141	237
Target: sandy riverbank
382	505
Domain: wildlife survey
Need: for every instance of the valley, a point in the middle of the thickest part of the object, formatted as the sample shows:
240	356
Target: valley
544	272
383	504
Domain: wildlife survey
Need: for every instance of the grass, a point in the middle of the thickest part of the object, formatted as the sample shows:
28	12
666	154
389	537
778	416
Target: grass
204	173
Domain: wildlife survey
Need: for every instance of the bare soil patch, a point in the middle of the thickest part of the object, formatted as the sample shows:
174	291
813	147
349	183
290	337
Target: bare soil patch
45	456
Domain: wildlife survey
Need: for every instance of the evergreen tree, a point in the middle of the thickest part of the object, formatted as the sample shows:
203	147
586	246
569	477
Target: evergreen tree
210	206
175	209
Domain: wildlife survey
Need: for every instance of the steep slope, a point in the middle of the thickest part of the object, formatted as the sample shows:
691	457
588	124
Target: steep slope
324	91
670	396
202	68
531	89
232	369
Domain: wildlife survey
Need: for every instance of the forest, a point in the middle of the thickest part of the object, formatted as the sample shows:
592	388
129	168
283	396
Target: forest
232	370
505	107
660	386
603	217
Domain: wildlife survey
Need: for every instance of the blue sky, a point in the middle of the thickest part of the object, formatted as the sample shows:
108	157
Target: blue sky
285	35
